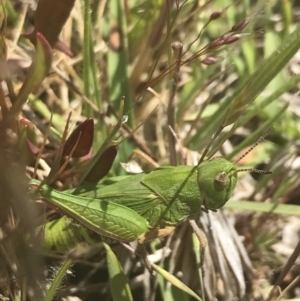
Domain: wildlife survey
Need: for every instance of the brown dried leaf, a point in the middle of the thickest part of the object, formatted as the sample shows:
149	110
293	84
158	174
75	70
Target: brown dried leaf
103	165
85	133
50	17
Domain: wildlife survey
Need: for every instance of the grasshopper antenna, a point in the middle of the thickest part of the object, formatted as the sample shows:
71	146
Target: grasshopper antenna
261	138
261	171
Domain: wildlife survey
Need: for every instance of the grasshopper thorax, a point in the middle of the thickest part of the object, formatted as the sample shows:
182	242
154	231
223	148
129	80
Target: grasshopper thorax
216	180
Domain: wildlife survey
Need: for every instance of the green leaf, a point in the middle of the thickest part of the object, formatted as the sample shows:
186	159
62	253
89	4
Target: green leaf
175	281
262	77
119	286
38	71
264	207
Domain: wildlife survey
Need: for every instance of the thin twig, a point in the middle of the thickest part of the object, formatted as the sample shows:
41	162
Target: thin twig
177	48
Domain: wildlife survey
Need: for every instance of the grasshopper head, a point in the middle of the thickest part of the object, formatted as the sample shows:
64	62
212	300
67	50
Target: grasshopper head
216	180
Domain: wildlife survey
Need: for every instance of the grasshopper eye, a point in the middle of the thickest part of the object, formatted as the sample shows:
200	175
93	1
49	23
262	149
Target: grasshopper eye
221	179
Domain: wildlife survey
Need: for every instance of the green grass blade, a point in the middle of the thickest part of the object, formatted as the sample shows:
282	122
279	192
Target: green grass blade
254	136
58	279
234	106
175	281
117	57
119	286
38	71
264	207
90	75
262	77
91	86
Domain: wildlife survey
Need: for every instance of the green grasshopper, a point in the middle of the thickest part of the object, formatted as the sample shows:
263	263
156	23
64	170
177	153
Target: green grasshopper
138	207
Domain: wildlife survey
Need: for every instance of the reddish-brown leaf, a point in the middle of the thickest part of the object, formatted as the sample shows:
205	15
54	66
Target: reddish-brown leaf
32	147
85	133
34	150
50	17
103	165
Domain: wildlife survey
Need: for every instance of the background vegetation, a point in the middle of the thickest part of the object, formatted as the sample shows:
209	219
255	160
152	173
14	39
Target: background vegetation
129	71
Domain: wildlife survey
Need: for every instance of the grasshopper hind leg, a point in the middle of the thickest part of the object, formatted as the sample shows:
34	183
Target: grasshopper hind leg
155	233
142	253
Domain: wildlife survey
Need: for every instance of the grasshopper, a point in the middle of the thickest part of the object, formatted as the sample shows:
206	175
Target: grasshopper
139	207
